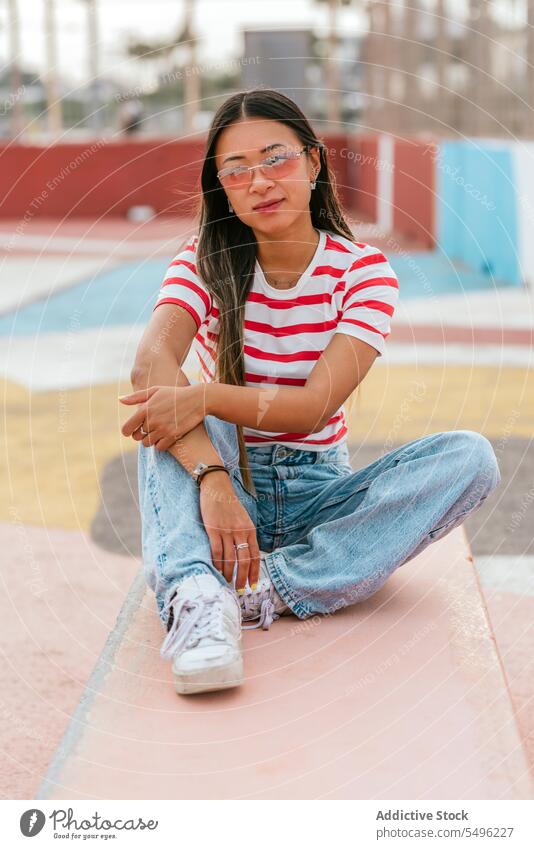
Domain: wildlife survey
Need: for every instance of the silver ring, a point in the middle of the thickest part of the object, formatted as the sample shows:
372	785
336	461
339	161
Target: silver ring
243	545
144	432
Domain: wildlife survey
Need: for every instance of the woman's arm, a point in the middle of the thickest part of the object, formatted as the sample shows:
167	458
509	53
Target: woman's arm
160	354
159	358
341	367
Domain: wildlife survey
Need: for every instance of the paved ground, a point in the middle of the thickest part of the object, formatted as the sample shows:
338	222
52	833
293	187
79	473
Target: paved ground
458	357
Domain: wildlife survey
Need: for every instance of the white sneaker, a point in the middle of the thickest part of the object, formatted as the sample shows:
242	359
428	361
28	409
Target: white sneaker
263	603
204	638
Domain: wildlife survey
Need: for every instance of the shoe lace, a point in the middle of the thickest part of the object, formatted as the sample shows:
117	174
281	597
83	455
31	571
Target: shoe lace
266	613
193	619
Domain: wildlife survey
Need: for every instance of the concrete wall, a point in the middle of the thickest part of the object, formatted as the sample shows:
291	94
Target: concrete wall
98	178
105	178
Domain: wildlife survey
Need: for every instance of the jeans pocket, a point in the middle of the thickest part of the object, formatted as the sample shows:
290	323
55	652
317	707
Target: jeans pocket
237	479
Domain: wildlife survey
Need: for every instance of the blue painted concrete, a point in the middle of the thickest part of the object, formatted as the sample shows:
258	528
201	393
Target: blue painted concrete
476	208
126	294
434	273
123	295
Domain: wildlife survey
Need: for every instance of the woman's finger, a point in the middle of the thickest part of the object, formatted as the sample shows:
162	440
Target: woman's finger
135	421
153	437
229	556
137	435
243	559
254	571
217	550
138	396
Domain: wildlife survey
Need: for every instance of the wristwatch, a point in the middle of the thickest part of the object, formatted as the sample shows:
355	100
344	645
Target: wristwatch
202	469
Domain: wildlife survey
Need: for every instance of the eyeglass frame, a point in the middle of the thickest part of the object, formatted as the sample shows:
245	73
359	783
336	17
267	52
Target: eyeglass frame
295	155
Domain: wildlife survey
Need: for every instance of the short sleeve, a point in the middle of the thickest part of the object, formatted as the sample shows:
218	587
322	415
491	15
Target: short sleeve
370	298
181	285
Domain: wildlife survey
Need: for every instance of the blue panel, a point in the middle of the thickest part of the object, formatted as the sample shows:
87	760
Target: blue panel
477	209
447	164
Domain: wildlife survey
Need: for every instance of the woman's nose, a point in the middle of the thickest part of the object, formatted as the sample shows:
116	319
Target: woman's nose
257	178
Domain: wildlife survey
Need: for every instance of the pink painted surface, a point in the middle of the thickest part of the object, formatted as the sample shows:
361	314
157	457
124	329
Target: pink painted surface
116	236
401	696
512	621
60	597
112	233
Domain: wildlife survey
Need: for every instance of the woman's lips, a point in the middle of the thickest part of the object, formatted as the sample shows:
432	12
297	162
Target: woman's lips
270	208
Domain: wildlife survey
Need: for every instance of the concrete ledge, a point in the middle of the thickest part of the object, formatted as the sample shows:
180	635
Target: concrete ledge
400	697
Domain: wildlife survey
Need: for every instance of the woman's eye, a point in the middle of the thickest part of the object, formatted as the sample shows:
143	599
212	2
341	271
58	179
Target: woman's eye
272	160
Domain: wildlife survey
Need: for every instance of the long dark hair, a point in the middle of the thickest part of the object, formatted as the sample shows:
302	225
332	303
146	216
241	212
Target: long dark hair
226	250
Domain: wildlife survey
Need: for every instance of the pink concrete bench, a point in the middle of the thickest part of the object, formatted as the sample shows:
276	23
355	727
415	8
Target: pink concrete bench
399	697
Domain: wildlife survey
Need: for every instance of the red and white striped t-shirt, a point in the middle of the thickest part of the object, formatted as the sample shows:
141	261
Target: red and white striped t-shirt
348	287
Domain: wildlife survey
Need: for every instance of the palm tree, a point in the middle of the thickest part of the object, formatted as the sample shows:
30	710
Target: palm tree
165	50
17	117
93	52
529	112
53	111
192	76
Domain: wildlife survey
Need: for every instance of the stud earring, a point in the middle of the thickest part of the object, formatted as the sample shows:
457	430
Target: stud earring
230	207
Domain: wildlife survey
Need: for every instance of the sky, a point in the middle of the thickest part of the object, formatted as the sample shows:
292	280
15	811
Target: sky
219	24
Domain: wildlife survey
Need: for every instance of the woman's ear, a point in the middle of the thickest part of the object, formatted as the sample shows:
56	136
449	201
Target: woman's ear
315	157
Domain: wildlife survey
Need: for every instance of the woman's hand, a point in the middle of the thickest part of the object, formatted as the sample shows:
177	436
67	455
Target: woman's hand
166	412
228	523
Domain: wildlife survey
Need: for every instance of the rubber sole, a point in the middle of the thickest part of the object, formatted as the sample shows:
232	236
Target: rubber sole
207	680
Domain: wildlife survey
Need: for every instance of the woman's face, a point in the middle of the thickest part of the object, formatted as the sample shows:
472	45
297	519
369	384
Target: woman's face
249	142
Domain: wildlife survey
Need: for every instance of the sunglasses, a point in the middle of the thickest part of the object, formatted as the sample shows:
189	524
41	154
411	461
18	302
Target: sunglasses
276	166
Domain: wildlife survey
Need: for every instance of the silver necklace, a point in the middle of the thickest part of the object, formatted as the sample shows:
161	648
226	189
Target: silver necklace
276	283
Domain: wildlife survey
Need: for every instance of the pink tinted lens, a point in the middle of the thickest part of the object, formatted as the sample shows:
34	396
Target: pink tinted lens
281	168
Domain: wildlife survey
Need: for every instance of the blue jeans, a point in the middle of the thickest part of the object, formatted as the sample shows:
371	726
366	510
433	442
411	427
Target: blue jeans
333	535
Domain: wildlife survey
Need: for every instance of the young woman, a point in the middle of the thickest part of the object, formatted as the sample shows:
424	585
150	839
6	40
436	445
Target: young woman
249	506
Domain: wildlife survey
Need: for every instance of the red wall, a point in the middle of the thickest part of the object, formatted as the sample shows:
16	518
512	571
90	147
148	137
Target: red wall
363	175
414	190
336	143
111	176
107	178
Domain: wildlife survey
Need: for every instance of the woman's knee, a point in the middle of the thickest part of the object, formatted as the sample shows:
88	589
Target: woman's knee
477	457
